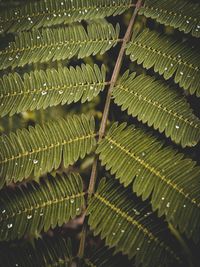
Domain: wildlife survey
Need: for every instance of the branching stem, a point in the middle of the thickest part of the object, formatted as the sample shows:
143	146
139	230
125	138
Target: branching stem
105	115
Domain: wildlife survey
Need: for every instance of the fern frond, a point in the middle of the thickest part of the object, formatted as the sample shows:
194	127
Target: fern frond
182	14
168	57
41	149
36	207
171	180
41	89
104	257
155	103
45	252
50	13
129	226
59	44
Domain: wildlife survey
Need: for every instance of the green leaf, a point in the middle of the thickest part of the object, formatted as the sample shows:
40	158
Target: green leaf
34	15
169	57
167	177
29	209
58	44
41	89
104	257
41	149
45	252
182	15
129	226
158	105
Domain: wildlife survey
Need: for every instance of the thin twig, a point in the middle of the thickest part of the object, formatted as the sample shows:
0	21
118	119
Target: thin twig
109	95
105	117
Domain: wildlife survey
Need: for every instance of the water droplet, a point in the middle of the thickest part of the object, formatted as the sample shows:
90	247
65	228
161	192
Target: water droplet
184	206
72	201
60	92
111	146
9	225
181	73
3	211
122	230
44	92
177	127
162	198
29	217
137	249
168	205
35	161
187	21
114	233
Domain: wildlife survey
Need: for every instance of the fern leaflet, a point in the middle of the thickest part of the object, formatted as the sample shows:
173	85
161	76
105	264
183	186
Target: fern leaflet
36	207
41	89
171	180
44	252
42	149
168	57
59	44
154	102
49	13
181	14
129	227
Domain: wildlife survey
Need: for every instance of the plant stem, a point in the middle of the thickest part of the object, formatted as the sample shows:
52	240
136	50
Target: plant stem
109	95
105	116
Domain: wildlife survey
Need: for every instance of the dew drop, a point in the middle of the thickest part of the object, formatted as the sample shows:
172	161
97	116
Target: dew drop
35	161
60	92
168	205
9	226
72	201
177	127
3	211
44	92
29	217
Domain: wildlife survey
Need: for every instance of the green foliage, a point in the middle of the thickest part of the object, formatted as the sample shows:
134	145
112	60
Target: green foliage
170	179
31	208
129	226
49	13
45	252
58	44
169	58
41	89
51	52
157	104
104	257
43	148
180	14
